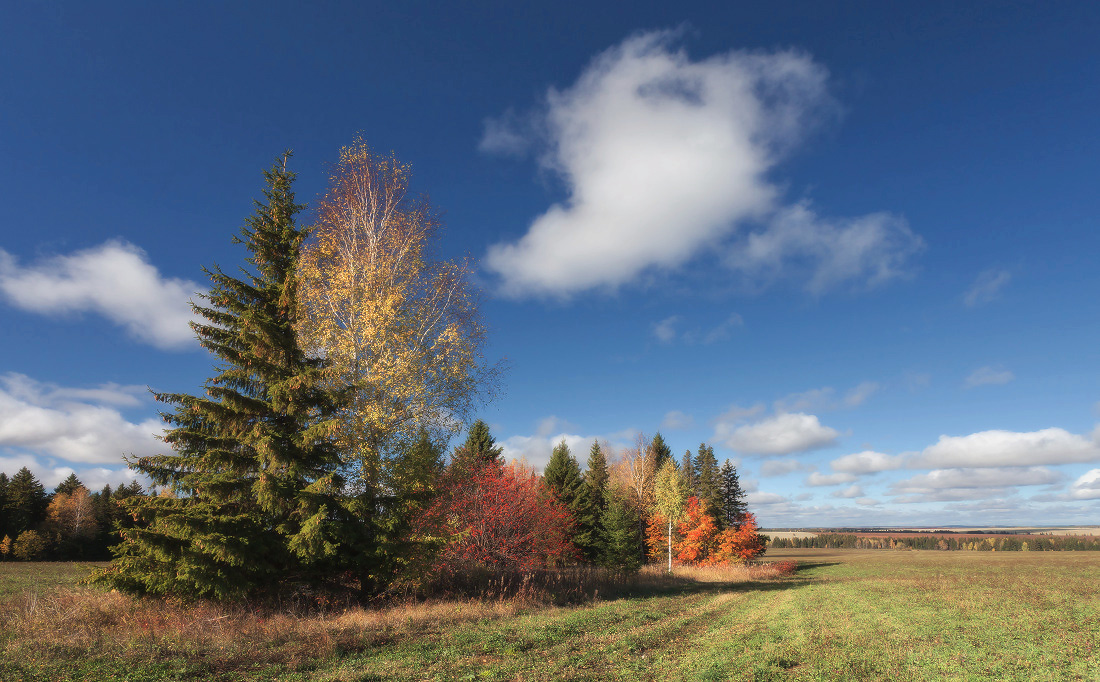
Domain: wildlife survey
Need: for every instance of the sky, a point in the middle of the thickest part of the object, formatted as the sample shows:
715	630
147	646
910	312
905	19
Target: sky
850	245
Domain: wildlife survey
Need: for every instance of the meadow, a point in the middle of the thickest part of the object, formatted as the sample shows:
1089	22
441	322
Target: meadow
844	614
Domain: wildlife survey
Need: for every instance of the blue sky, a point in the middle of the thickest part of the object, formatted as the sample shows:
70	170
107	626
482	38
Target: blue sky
850	245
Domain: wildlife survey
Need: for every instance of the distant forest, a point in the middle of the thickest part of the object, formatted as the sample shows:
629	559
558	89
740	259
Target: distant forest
979	542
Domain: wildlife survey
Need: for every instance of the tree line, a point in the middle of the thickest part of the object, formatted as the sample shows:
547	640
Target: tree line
347	355
979	543
67	525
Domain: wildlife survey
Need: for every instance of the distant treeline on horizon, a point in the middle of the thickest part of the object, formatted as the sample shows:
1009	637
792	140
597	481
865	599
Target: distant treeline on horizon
983	541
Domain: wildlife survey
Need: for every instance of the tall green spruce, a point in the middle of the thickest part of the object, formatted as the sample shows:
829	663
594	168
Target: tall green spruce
254	465
734	507
562	478
25	504
591	534
708	484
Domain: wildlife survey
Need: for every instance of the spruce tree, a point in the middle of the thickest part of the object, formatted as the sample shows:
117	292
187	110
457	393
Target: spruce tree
687	471
590	535
562	477
254	469
480	447
68	486
26	503
708	486
733	497
596	476
624	541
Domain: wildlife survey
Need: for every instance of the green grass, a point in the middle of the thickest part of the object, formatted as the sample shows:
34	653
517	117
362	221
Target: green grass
38	576
848	614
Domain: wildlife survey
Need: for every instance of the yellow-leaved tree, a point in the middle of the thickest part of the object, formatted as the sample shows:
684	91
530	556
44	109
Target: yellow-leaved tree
402	332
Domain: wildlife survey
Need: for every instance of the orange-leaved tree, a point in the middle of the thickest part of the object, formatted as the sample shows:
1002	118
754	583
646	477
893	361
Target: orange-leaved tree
698	533
738	545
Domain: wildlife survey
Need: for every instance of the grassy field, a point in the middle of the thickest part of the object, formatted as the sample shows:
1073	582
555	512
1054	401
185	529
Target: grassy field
876	615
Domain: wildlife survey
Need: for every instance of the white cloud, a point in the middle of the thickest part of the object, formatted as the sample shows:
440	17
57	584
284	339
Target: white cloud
1008	448
1087	487
819	479
868	502
782	434
849	493
551	424
764	499
536	449
677	420
986	287
46	420
989	376
664	157
866	462
968	478
113	280
780	467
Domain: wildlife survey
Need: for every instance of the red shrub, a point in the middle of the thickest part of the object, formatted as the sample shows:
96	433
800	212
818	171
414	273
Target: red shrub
498	518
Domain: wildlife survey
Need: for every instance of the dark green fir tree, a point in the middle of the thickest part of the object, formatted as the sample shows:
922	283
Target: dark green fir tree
624	540
68	486
254	470
733	497
708	482
25	504
590	536
687	472
563	479
480	448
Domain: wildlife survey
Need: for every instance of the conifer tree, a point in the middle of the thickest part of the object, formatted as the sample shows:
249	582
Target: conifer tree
656	454
68	486
254	469
562	476
624	542
734	508
25	506
687	471
708	486
590	536
597	475
480	447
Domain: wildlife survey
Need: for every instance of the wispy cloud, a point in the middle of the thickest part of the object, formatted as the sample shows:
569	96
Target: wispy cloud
986	287
989	376
667	331
677	420
114	280
664	157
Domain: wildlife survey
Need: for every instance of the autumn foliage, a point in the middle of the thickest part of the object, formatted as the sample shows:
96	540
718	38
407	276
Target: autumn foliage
498	518
703	544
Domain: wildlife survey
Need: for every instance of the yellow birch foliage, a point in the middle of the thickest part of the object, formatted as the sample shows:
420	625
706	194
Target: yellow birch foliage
401	329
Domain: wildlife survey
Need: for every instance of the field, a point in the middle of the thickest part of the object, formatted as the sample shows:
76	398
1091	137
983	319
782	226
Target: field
846	614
